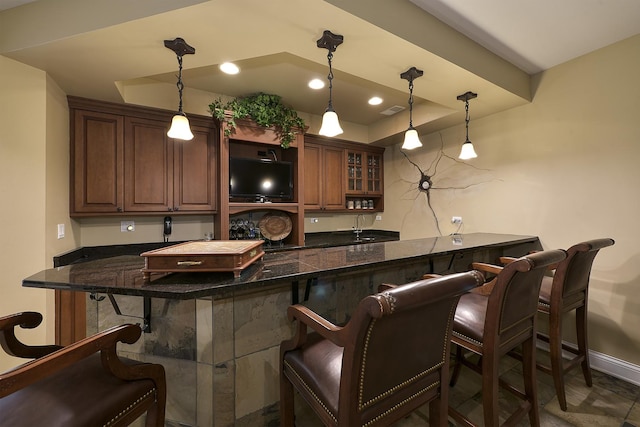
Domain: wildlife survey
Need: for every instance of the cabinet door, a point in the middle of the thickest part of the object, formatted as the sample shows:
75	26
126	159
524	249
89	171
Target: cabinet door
332	177
97	156
355	164
148	166
323	177
312	174
194	172
374	174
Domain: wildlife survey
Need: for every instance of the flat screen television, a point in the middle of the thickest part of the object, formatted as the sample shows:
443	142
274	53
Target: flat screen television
260	179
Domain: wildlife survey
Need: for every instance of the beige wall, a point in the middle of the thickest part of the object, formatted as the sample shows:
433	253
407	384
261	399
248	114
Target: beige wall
34	179
564	168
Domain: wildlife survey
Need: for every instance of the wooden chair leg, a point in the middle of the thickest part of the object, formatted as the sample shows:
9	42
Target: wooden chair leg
457	365
530	385
490	390
555	357
583	344
438	412
286	402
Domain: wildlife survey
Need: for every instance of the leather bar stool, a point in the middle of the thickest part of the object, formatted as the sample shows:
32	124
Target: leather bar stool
566	291
83	384
383	364
494	319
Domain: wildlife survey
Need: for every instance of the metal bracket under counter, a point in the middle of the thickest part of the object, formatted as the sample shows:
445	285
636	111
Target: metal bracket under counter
295	296
146	310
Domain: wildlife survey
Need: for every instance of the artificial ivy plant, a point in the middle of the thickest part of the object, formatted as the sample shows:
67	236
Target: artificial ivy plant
265	109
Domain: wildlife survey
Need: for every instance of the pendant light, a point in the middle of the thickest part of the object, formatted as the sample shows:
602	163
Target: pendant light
330	124
411	139
467	152
180	124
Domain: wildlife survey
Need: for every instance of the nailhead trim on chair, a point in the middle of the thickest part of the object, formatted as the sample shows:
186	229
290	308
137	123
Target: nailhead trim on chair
405	401
459	335
320	402
391	300
362	405
128	408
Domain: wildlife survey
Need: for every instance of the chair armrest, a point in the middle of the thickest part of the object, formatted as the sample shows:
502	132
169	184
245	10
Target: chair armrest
12	346
386	287
487	268
307	317
506	260
105	342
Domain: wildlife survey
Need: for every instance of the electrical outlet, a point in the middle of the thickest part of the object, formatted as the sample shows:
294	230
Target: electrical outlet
60	231
126	226
313	220
378	217
456	220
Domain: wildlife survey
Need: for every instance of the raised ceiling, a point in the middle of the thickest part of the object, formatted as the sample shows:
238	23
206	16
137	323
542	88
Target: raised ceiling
97	49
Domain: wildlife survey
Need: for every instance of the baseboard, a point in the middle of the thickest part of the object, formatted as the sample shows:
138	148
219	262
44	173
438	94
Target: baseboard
610	365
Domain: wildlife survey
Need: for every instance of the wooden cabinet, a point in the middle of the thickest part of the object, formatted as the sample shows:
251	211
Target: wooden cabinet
364	172
123	162
343	175
323	177
97	165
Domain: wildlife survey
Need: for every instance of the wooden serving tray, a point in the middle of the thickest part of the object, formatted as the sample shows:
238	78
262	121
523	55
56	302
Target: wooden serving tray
203	256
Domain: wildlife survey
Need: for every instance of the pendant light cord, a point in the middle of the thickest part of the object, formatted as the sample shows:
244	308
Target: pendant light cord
466	119
180	85
411	104
330	78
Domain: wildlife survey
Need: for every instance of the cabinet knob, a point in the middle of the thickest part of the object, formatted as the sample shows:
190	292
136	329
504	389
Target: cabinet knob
170	209
176	208
119	209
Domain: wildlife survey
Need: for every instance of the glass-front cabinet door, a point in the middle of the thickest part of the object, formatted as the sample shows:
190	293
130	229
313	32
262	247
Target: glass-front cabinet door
355	164
364	173
374	174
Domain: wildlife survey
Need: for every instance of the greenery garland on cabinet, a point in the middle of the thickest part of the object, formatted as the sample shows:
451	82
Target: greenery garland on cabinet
265	109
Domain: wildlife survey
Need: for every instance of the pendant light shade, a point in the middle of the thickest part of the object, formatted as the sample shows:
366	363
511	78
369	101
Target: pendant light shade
411	139
330	124
180	124
467	151
180	128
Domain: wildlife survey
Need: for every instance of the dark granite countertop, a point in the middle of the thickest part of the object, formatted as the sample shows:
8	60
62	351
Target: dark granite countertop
312	240
122	274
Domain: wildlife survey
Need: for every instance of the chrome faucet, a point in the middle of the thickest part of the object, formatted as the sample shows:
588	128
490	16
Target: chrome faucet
358	228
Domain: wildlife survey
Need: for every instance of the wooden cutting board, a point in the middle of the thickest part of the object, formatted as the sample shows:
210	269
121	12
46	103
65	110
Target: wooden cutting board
203	256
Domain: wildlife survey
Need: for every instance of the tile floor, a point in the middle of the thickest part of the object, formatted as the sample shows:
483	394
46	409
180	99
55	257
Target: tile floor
609	403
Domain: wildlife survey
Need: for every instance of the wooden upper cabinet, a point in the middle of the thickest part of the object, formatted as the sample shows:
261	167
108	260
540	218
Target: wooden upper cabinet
323	177
123	161
364	172
194	172
338	172
148	166
97	162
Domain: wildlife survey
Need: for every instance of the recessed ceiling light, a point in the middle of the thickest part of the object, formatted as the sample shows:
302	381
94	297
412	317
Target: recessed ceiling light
316	84
375	101
229	68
